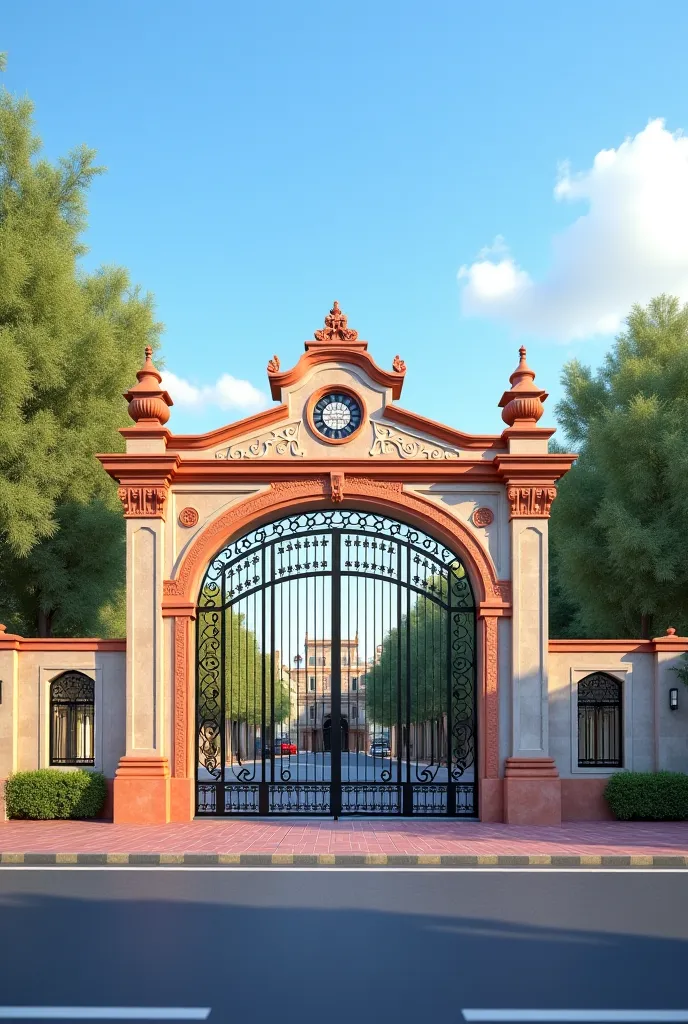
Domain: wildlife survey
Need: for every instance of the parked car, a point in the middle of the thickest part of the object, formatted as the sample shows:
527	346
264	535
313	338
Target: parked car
380	748
285	746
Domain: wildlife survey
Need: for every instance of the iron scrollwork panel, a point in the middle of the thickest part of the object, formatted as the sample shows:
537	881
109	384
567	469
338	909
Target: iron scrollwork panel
403	683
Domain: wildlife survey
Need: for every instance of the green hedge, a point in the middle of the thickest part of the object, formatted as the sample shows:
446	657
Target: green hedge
648	796
49	793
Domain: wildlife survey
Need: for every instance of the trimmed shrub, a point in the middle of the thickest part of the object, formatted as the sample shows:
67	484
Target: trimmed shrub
648	796
49	793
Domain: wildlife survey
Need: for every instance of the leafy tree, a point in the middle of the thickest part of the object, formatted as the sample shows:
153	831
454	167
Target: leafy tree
71	343
424	631
244	663
619	528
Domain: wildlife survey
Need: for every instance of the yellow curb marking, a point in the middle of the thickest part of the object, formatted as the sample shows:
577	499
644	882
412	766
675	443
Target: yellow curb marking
171	858
589	858
117	858
429	858
229	858
283	858
65	858
376	858
540	859
325	858
13	858
641	859
488	859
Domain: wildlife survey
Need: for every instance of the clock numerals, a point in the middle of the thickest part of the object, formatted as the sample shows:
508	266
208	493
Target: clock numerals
337	415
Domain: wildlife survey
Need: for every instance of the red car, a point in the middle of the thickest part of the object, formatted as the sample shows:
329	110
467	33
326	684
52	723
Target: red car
285	747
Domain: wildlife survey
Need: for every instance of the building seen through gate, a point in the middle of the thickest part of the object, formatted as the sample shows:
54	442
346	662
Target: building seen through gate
337	606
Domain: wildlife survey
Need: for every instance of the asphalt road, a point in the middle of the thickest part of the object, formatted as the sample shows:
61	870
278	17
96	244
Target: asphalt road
305	946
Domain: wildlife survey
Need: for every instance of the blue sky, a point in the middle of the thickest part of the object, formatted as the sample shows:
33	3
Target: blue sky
264	159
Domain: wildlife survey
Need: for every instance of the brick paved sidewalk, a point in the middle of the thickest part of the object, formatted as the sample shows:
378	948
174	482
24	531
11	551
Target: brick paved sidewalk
366	841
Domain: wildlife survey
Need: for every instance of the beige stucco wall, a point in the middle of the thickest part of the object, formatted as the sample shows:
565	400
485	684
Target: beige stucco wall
25	708
653	736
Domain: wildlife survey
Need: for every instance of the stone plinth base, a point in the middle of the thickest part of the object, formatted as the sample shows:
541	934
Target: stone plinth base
491	800
182	799
532	791
142	791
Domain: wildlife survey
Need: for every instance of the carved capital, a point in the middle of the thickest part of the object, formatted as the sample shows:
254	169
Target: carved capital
530	502
143	501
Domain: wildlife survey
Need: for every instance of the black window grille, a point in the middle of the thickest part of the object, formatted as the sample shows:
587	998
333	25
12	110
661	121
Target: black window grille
72	711
599	722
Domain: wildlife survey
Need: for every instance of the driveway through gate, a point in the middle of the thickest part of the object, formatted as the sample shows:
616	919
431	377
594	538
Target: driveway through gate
336	672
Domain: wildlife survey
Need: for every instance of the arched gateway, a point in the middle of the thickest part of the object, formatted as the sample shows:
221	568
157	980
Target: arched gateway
336	671
337	606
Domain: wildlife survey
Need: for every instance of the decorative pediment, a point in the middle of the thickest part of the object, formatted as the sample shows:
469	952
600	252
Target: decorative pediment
282	441
392	441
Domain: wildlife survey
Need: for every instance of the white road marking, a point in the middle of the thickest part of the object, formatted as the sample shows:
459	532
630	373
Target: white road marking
578	1016
104	1013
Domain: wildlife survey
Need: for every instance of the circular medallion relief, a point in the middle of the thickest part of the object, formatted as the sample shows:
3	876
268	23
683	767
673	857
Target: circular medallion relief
483	516
335	414
188	516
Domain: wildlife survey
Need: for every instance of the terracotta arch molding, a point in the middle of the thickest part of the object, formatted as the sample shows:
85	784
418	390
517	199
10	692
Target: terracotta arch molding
493	596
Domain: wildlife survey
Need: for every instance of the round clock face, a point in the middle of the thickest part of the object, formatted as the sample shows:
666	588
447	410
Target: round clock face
337	415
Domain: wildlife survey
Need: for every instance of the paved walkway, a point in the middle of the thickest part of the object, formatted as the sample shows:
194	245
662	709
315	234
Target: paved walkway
372	838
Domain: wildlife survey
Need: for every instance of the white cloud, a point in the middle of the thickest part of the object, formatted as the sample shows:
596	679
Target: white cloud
226	393
630	245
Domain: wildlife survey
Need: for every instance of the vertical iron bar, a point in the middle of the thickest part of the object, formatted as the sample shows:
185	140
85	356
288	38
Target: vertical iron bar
220	791
335	679
399	657
263	793
408	788
451	787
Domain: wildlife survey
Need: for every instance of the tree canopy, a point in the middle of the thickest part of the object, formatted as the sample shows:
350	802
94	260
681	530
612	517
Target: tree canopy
244	665
619	527
71	343
424	632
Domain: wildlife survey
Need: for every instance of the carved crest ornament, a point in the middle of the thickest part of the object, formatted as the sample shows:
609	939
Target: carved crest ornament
336	327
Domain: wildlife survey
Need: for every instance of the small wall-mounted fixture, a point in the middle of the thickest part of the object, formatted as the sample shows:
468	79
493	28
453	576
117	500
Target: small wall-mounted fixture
673	698
0	691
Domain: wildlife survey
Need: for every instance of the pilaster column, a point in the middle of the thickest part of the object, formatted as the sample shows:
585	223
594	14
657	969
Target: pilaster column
142	779
182	782
142	787
532	788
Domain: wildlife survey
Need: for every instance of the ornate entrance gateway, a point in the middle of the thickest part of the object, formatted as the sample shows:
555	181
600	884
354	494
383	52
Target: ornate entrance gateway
336	672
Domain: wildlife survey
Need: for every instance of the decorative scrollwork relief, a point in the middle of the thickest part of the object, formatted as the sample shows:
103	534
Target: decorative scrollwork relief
188	516
392	442
282	441
483	516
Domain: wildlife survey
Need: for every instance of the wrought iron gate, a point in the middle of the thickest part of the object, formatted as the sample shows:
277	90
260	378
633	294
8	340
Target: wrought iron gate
336	672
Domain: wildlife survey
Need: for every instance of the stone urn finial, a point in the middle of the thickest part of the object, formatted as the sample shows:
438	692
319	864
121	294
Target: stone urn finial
148	403
522	404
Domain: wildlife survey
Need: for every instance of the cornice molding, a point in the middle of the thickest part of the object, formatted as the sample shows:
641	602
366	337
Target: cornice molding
333	352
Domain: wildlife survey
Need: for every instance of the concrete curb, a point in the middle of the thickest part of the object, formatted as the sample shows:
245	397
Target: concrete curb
349	860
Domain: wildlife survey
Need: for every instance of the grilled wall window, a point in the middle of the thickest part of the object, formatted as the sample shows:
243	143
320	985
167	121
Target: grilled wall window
599	722
72	710
354	682
311	712
311	683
